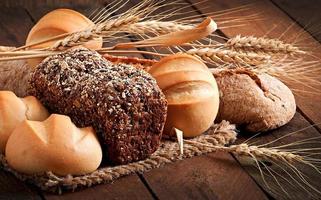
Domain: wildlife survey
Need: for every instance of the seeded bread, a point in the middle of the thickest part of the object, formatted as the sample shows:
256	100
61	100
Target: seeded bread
123	104
254	102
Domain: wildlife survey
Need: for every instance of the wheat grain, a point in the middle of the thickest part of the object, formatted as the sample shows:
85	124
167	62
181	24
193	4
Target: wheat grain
156	27
261	45
222	56
94	32
263	153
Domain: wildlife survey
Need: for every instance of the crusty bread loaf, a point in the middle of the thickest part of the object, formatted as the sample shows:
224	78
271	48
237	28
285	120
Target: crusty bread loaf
191	92
14	75
254	102
56	145
14	110
122	103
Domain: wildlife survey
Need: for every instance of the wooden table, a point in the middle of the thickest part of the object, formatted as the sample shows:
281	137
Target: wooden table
213	176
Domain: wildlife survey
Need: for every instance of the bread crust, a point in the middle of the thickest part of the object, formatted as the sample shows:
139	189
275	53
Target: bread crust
122	103
256	102
191	92
55	145
14	110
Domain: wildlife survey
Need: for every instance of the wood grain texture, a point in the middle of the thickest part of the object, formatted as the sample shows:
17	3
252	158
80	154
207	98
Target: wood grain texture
14	25
212	176
12	188
306	13
129	187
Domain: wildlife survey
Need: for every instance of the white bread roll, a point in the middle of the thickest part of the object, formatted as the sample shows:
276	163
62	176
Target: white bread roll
56	145
57	22
191	92
14	110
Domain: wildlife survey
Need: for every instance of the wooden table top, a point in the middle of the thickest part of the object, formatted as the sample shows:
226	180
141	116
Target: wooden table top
212	176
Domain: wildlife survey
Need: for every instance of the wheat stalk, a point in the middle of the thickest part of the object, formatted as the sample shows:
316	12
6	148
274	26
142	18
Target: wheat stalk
279	162
264	153
222	56
256	152
156	27
261	45
94	32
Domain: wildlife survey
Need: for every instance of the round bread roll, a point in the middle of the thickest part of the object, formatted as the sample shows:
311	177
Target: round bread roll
123	104
254	102
14	110
58	22
191	92
55	145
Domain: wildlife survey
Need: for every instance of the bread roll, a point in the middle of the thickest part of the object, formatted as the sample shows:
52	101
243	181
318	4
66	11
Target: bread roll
254	102
14	110
191	92
122	103
58	22
56	145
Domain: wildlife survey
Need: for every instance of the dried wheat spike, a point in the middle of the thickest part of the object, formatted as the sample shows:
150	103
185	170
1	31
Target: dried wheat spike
262	45
156	27
99	30
255	152
221	56
264	153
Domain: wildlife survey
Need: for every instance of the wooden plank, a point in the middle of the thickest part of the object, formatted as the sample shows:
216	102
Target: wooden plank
277	21
306	13
212	176
48	3
14	25
12	188
129	187
37	12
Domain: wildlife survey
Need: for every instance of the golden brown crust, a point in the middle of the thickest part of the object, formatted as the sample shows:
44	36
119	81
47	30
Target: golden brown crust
55	145
256	102
191	92
251	74
14	110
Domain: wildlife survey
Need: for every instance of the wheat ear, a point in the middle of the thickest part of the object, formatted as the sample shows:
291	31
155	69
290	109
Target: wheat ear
268	154
261	45
222	56
94	32
156	27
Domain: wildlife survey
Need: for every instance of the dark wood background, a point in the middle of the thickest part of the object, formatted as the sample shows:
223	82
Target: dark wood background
213	176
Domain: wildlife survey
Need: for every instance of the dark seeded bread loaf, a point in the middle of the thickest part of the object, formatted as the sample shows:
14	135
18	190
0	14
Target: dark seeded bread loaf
122	103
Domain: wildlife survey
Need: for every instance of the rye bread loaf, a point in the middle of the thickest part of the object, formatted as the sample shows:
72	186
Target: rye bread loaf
14	75
255	102
123	104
